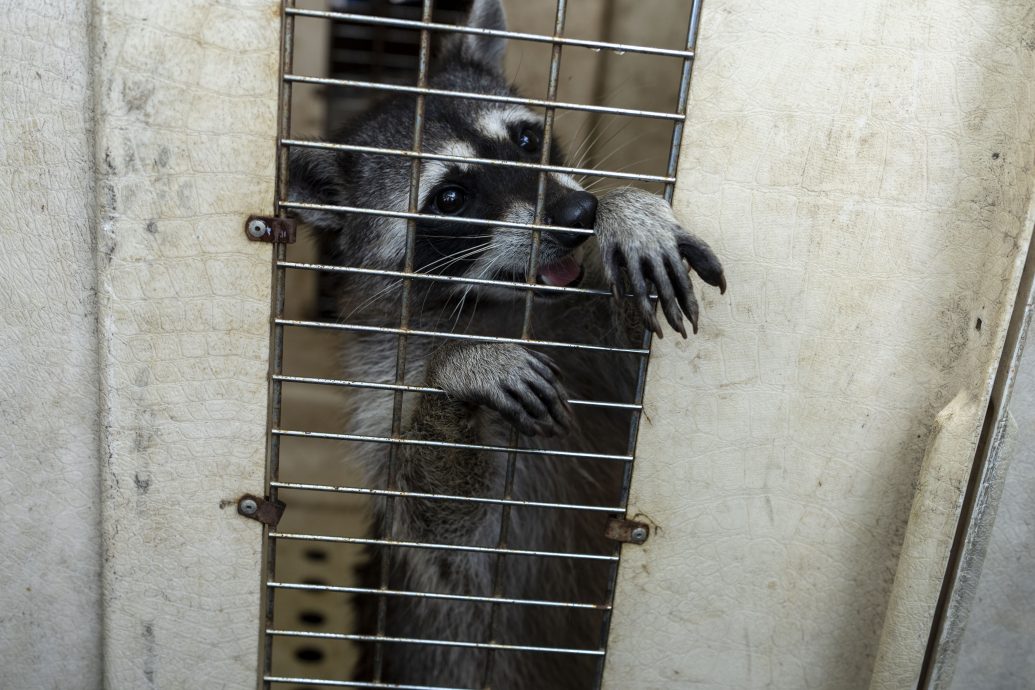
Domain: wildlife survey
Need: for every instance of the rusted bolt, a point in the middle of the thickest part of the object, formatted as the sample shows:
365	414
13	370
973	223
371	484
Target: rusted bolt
627	531
257	228
262	509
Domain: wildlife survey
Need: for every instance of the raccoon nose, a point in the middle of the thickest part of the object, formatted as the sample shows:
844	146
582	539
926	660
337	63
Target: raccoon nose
575	210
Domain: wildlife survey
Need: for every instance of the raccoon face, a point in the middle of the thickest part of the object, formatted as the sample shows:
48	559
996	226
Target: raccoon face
451	191
455	191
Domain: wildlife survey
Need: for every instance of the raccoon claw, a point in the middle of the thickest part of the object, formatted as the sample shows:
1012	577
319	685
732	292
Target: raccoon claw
637	232
521	385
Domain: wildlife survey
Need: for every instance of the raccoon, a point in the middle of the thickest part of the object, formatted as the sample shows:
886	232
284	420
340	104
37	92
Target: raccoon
493	390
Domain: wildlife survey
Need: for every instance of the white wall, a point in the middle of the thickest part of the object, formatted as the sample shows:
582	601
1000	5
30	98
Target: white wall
185	148
49	440
136	139
865	171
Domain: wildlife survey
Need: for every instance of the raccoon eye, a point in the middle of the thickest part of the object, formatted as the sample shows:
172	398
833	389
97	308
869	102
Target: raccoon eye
527	140
450	200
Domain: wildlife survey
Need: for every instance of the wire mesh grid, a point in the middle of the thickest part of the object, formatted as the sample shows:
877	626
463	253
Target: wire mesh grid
404	333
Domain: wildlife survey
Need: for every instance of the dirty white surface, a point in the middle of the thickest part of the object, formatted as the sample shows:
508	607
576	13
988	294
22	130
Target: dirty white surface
186	98
996	649
49	462
865	171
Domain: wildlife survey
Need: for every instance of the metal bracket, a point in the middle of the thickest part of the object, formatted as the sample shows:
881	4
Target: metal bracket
627	531
270	229
257	508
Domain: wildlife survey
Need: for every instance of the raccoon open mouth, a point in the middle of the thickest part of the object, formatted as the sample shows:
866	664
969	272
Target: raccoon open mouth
564	273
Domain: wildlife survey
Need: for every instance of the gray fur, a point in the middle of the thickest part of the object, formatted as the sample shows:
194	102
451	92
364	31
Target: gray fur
491	388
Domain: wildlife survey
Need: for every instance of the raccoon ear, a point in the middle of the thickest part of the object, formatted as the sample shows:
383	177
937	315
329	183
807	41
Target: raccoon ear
316	176
480	49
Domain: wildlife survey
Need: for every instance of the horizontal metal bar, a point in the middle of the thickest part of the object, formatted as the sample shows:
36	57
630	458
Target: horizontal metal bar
619	48
434	643
437	595
537	287
461	220
442	547
446	444
355	148
354	683
426	389
457	336
516	100
362	491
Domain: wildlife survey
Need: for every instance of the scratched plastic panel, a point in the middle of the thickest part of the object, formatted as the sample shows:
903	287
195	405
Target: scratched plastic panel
50	623
186	98
867	171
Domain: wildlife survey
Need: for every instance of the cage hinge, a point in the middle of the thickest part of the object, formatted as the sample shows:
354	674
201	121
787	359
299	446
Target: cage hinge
270	229
257	508
627	531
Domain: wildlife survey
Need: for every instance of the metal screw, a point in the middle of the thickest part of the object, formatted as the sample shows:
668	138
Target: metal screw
639	535
257	229
248	506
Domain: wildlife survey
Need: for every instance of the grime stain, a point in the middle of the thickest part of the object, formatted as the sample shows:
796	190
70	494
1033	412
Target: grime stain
143	484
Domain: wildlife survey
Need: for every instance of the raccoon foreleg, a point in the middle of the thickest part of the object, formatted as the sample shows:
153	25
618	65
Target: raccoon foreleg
478	379
637	231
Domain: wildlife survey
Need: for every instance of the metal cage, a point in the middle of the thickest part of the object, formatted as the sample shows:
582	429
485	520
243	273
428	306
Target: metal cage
275	585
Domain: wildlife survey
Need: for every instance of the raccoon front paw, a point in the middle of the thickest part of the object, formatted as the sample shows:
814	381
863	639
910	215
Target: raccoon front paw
637	231
520	384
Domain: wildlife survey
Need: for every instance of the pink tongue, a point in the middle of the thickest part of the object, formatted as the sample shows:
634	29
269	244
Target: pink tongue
561	273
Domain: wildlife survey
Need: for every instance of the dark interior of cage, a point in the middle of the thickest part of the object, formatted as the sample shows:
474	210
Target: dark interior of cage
327	528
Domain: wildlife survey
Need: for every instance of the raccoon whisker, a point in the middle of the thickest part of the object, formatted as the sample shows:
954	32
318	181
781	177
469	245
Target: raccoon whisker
457	256
482	274
596	140
610	184
615	152
449	259
601	143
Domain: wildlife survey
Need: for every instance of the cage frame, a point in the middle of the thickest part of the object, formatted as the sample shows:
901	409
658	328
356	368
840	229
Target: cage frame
281	265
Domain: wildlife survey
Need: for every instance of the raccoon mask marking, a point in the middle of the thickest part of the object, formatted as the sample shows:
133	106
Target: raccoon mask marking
638	247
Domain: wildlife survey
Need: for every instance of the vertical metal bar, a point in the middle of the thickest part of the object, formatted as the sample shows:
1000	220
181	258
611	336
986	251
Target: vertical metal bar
641	379
276	344
526	326
404	322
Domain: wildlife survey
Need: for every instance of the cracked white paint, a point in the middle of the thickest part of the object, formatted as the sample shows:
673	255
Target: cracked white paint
50	606
866	172
186	116
136	138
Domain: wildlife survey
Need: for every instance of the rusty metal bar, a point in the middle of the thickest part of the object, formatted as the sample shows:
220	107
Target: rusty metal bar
437	595
442	547
361	491
620	48
449	444
516	100
428	389
436	643
424	59
641	378
526	331
412	215
374	150
269	555
459	336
